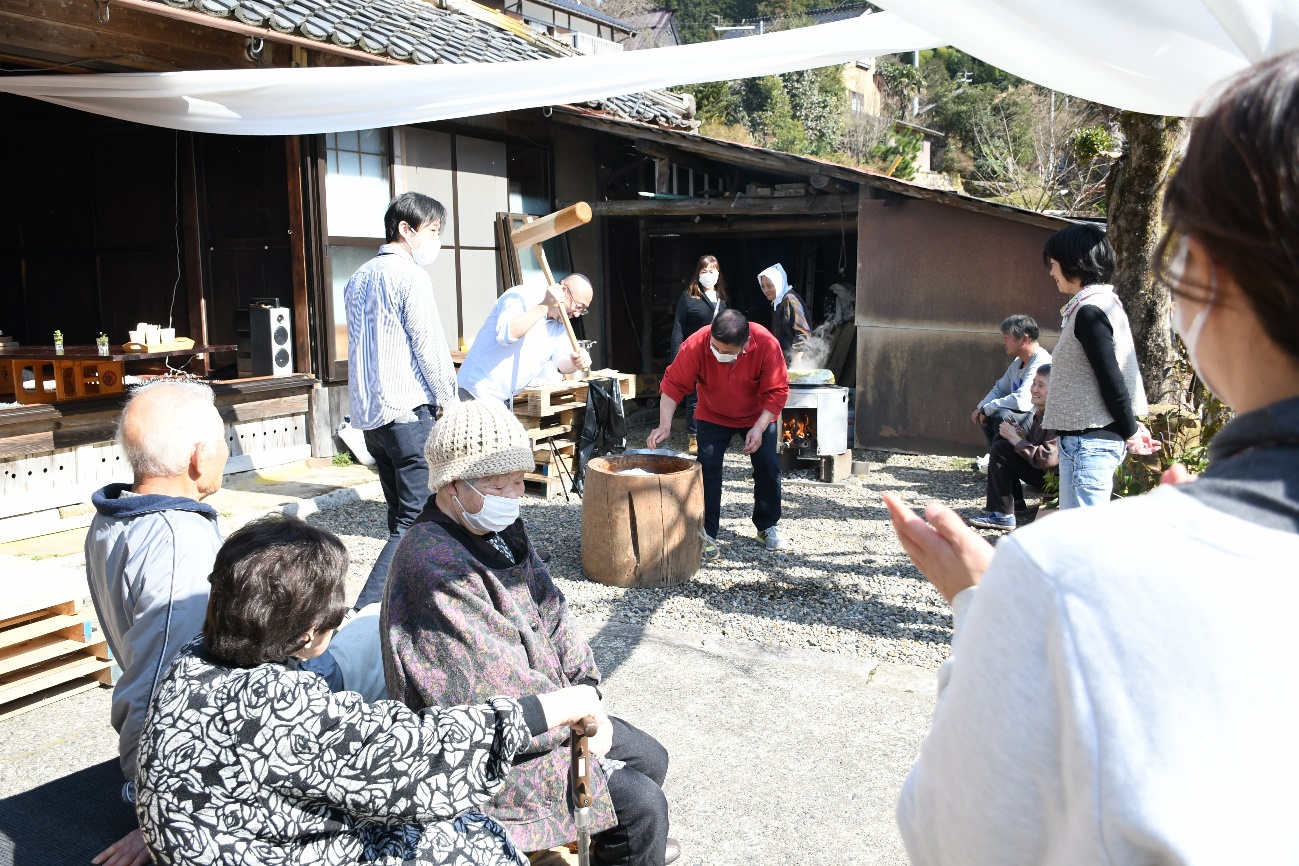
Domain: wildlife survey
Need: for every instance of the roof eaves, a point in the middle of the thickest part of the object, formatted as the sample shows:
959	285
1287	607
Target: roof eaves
798	164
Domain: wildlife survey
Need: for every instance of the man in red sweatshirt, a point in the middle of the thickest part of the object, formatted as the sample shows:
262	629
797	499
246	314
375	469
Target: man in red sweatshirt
738	370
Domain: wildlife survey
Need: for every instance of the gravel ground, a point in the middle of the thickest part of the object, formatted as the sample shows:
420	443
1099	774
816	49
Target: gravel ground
845	586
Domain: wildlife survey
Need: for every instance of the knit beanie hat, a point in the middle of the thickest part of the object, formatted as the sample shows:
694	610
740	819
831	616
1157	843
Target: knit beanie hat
474	439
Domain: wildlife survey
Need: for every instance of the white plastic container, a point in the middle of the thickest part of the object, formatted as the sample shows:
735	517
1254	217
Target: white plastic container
355	441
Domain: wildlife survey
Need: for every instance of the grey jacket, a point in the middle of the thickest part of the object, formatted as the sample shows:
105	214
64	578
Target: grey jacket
1012	389
148	559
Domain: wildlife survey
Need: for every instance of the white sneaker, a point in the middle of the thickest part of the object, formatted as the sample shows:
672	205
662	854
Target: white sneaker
981	463
772	539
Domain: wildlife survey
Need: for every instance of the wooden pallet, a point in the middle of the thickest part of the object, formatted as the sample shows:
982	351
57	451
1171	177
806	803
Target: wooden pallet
47	649
545	486
47	655
540	401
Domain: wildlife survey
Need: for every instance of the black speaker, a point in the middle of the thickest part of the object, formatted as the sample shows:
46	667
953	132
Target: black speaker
265	340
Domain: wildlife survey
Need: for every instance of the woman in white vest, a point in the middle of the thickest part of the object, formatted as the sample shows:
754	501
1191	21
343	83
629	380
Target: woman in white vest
1122	687
1096	389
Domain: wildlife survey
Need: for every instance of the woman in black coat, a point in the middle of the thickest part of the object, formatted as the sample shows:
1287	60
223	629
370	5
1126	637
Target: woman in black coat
699	304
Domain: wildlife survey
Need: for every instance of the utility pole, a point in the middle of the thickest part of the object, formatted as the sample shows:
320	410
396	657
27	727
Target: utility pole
915	101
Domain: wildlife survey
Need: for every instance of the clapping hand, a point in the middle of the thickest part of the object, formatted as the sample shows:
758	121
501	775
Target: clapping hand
1142	443
947	551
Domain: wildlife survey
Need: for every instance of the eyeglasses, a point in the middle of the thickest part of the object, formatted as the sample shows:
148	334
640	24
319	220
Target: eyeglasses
577	309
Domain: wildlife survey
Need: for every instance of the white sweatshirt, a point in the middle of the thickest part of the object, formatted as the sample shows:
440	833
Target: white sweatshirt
1122	690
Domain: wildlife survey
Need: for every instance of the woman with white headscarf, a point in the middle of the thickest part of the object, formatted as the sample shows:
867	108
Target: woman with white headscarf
790	323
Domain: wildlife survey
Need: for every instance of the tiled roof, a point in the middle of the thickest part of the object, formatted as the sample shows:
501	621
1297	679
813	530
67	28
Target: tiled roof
578	8
815	16
414	31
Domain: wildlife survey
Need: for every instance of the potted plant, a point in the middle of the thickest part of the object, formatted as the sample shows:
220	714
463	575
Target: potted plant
58	342
101	342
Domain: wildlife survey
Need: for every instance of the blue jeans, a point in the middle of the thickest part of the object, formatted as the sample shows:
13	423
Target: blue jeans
1087	467
713	439
398	451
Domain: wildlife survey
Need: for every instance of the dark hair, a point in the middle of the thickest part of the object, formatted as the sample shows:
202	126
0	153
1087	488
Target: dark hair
730	328
416	210
695	290
1237	193
1083	252
1020	326
1044	370
274	580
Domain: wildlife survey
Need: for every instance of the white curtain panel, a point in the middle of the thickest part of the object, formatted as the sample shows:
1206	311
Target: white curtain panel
1154	56
334	99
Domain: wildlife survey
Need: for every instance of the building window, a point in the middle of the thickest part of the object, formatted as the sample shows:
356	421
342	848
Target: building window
357	184
475	179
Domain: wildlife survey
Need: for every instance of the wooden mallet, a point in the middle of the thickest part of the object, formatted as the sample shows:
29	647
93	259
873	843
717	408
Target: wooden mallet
534	231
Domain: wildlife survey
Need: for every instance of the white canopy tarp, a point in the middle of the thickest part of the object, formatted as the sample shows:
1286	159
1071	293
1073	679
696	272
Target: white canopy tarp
1154	56
333	99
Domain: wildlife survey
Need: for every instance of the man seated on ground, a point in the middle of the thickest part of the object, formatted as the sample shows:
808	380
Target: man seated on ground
739	373
471	612
149	552
1019	455
1009	399
524	340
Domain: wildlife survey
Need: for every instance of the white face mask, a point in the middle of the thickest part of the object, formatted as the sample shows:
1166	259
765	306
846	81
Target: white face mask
725	359
1190	334
708	279
498	512
427	252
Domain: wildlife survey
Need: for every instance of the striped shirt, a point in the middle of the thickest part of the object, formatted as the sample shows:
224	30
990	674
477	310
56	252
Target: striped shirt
397	355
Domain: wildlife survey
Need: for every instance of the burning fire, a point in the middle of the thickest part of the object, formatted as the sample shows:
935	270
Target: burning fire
798	430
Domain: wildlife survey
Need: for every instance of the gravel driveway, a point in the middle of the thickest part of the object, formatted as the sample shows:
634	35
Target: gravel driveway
844	587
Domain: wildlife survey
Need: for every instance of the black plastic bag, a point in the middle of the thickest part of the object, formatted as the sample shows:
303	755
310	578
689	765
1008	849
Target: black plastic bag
604	431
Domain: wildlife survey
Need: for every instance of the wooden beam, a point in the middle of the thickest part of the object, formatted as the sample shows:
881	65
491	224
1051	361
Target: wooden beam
819	205
69	31
298	256
758	226
661	151
266	33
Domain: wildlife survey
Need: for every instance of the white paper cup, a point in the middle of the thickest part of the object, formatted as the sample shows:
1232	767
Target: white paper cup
152	337
136	336
167	335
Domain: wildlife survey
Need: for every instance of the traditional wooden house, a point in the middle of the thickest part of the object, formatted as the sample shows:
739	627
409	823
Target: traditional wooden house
108	223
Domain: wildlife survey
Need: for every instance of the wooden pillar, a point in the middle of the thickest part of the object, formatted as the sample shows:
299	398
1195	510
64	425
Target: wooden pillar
192	232
646	296
298	257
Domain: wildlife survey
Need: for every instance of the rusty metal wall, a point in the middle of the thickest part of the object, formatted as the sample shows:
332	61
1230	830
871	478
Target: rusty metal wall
933	285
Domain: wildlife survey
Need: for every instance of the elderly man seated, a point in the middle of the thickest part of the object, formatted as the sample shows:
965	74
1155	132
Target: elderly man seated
149	552
1019	455
471	612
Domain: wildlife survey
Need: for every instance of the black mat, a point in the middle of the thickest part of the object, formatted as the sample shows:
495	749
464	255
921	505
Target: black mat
65	822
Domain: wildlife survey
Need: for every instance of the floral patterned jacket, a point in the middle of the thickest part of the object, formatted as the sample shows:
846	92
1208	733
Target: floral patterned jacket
266	765
454	629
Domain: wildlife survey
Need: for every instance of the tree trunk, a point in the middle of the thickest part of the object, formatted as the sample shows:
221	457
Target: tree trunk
1134	197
